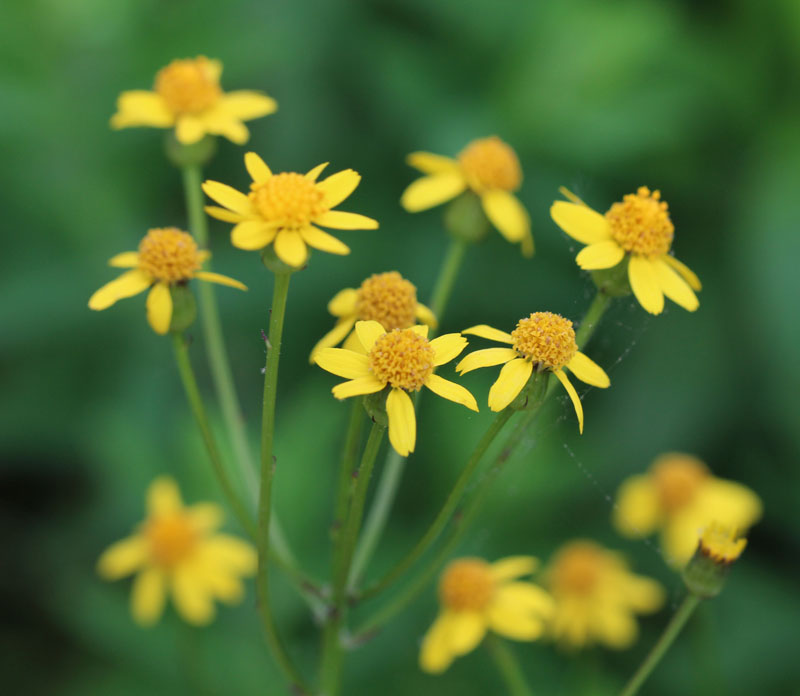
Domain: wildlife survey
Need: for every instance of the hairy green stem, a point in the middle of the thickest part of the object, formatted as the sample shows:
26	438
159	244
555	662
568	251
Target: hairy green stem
508	666
348	464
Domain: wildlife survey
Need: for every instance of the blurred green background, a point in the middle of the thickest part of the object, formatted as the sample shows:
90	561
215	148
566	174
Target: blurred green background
700	100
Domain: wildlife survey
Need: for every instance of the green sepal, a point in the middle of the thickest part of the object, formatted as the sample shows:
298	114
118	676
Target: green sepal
375	406
194	155
464	218
184	307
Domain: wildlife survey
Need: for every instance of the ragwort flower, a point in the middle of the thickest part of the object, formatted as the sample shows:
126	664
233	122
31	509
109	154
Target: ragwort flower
283	209
490	169
176	550
542	341
680	497
597	597
166	257
188	96
403	361
477	596
638	229
387	298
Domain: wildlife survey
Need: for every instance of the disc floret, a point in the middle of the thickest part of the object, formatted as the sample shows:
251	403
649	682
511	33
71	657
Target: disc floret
678	481
169	255
171	539
546	339
489	163
189	86
387	298
640	223
288	200
403	359
467	585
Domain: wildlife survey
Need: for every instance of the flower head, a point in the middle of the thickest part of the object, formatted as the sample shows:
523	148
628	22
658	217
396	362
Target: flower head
285	209
167	257
176	550
489	168
640	230
476	596
387	298
402	361
721	544
597	597
188	96
542	341
680	497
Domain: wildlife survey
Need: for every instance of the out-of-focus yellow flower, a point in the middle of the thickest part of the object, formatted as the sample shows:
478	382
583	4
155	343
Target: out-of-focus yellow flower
284	209
404	361
542	341
177	551
597	597
721	544
489	168
680	497
476	597
166	257
188	96
638	229
387	298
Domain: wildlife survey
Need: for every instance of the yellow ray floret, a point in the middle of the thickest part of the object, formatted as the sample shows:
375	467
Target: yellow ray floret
287	209
177	551
166	257
402	361
187	96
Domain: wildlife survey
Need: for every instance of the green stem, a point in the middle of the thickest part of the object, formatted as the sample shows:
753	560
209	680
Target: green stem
278	312
447	276
508	666
674	627
199	412
591	319
348	464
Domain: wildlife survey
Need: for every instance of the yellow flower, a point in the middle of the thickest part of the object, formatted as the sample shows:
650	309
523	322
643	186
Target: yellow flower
597	597
639	229
721	543
476	596
281	208
681	497
176	550
489	168
187	95
166	257
403	360
542	341
387	298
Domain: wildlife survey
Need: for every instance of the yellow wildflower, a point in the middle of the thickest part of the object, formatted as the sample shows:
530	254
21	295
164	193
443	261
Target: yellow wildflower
639	229
681	497
542	341
597	597
166	257
281	208
177	550
387	298
188	96
477	596
720	543
489	168
404	361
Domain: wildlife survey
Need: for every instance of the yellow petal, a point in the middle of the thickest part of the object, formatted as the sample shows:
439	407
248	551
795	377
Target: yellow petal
637	511
333	338
313	174
252	235
191	596
451	391
467	629
290	248
436	653
644	283
674	286
338	186
580	222
222	585
513	377
123	558
159	308
341	220
507	214
352	343
616	627
447	347
576	402
485	358
425	315
564	191
343	303
128	284
163	497
485	331
402	422
513	567
189	129
519	611
220	279
315	237
420	330
228	196
343	363
147	596
257	168
205	517
643	595
223	214
142	108
430	191
247	104
587	370
219	121
369	332
428	163
357	387
605	254
729	503
232	554
687	273
127	259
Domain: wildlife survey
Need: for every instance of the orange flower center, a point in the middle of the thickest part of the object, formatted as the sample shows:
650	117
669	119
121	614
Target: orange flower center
171	539
721	544
577	569
387	298
402	359
640	224
288	200
169	255
189	86
546	339
677	479
467	585
489	164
